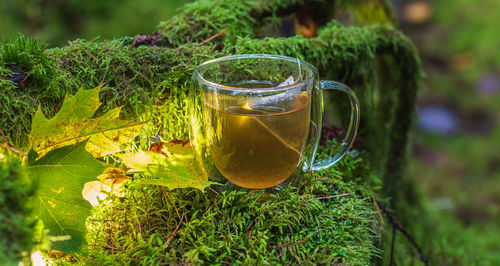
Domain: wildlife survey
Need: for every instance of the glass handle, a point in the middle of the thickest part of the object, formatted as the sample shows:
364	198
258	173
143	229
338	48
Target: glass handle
352	130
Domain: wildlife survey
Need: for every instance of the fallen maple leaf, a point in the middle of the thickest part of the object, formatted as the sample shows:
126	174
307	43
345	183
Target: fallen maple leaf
74	123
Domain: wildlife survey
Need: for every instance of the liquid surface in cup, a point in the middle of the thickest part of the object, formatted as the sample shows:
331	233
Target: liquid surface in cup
260	148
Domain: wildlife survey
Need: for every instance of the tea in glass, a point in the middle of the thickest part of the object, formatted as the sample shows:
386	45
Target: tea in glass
256	119
260	146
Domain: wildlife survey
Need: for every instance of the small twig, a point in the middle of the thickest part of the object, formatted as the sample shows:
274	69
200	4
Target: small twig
175	231
179	51
397	225
10	147
167	197
334	196
378	210
147	209
140	229
111	249
222	32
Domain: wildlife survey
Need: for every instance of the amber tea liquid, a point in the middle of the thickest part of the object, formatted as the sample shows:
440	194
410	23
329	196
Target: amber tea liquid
260	148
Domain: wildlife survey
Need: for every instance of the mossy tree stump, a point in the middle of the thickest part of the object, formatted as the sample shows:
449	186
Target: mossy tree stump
150	76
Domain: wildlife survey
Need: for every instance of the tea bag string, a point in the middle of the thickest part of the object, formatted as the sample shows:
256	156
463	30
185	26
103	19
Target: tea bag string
277	136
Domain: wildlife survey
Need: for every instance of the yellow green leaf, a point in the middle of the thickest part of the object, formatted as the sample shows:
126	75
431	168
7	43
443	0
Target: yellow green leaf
60	177
74	123
176	170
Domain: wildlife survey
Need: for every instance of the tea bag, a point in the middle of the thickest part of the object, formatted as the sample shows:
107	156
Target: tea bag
261	103
288	81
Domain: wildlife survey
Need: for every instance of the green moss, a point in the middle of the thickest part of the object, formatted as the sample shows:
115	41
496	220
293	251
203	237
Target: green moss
15	230
241	226
18	100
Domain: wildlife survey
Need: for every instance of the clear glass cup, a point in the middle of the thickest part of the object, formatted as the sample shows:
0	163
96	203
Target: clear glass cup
256	119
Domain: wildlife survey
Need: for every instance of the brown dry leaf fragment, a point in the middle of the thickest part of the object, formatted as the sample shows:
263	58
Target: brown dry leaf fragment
175	141
113	176
157	147
306	26
110	182
185	143
462	61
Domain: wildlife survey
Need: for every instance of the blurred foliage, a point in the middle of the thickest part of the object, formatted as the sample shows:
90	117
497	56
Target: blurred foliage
15	227
461	178
459	45
460	173
57	21
472	31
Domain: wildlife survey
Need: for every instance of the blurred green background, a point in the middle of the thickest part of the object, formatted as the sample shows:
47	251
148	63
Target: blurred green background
456	140
57	21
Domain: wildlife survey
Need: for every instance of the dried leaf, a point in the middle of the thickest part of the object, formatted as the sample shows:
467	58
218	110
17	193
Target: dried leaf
113	176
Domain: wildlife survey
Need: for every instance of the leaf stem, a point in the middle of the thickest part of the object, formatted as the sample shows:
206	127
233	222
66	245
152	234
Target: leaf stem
10	147
378	210
334	196
222	32
175	231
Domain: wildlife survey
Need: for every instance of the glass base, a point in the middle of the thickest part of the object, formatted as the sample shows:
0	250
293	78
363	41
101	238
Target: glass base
266	192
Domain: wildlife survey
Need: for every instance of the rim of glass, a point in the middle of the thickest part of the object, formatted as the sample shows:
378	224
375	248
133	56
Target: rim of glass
199	77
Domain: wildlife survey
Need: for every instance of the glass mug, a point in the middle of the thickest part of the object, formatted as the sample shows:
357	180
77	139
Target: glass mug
256	119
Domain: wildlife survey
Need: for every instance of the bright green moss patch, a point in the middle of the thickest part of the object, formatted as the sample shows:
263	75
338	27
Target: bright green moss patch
150	225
